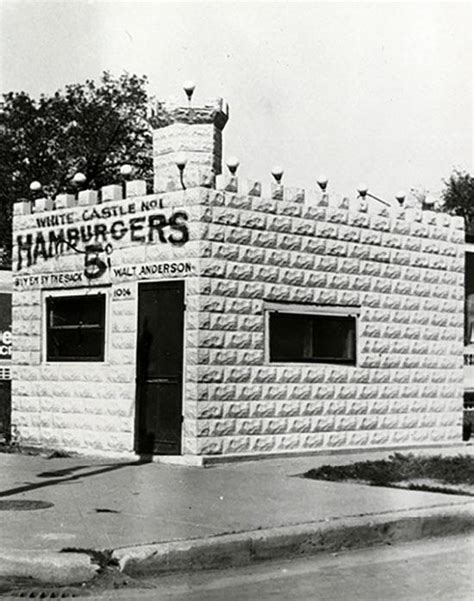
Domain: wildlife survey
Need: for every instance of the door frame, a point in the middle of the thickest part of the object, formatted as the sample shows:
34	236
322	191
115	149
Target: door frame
136	440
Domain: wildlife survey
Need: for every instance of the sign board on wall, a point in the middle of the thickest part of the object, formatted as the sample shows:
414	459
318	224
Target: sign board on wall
163	270
5	326
123	292
95	231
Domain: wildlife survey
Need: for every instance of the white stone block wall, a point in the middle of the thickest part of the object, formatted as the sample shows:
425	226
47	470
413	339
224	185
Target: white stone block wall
90	406
406	276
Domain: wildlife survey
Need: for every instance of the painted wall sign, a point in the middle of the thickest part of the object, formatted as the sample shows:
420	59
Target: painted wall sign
123	292
162	270
147	270
104	211
5	326
50	280
98	237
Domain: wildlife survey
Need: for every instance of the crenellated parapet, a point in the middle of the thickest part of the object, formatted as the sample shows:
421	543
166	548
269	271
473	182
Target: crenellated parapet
248	251
84	198
171	111
293	199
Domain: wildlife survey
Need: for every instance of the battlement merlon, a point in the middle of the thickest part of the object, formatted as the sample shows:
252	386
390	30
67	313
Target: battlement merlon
192	131
167	112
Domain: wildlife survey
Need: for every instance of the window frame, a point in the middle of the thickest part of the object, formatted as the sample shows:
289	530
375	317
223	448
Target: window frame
317	311
468	293
68	293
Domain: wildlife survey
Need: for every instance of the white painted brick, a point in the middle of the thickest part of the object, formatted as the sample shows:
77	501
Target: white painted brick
262	409
263	444
64	201
237	445
135	187
112	192
21	207
406	275
87	198
43	204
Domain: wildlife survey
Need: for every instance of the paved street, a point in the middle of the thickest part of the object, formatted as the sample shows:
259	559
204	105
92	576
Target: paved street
154	514
437	569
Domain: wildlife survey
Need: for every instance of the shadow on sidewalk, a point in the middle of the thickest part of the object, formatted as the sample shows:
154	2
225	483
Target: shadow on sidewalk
62	473
57	477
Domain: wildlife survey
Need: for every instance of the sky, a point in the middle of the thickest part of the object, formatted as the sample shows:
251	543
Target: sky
376	92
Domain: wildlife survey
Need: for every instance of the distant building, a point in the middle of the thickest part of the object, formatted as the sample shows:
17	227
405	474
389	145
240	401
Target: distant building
5	353
229	319
469	339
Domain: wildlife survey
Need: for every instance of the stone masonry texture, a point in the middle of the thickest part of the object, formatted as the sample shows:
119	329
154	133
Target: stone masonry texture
407	279
197	132
401	270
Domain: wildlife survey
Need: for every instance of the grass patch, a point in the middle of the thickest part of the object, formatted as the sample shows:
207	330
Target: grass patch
456	470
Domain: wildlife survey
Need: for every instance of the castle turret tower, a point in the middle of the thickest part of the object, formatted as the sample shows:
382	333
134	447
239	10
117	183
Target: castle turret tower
183	132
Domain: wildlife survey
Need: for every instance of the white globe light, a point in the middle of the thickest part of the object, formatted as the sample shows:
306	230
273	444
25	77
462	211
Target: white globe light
362	189
35	186
233	164
189	86
277	172
322	182
430	200
79	179
126	170
400	196
180	160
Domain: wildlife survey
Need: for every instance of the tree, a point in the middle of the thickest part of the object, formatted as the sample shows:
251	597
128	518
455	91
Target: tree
458	196
89	128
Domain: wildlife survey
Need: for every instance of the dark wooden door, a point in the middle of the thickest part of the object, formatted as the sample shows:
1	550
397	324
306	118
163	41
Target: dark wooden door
160	368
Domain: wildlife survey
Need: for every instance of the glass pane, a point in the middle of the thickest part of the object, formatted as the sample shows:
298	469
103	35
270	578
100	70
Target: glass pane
323	338
333	338
76	328
469	300
76	344
290	337
76	310
469	320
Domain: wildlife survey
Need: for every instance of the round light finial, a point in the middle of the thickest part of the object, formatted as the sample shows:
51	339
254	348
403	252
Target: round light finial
362	189
400	197
126	170
189	87
322	182
79	179
277	173
35	186
429	201
233	164
180	161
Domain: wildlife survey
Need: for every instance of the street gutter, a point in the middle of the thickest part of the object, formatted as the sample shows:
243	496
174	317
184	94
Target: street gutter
75	566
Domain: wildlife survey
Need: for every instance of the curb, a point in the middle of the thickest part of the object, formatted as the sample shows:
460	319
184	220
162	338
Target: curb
245	548
48	567
240	549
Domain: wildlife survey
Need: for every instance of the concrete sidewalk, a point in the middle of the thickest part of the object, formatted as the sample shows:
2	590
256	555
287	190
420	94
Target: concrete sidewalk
151	510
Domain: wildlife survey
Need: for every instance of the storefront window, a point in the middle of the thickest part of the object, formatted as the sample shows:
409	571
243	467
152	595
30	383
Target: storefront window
306	337
469	300
76	328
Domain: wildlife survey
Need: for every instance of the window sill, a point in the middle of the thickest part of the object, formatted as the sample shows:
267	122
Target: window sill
306	362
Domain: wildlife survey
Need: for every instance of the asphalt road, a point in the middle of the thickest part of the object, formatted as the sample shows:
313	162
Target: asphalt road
437	569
